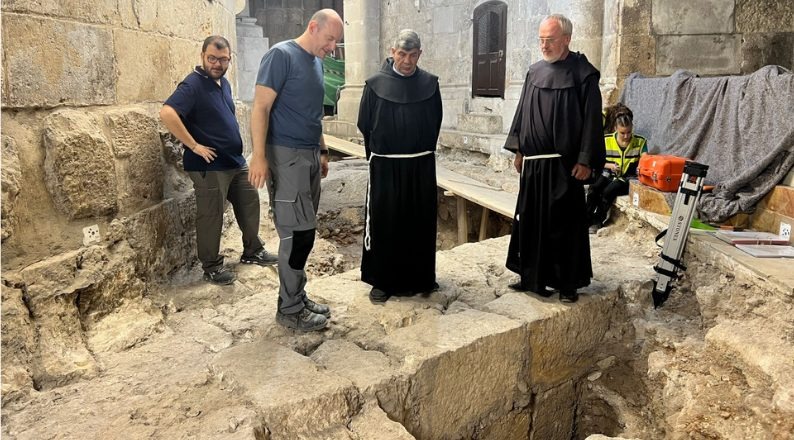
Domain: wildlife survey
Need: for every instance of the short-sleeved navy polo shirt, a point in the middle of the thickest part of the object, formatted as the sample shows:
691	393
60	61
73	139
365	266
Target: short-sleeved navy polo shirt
207	110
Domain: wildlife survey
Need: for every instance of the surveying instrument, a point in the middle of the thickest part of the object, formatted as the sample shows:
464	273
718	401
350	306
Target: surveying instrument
686	200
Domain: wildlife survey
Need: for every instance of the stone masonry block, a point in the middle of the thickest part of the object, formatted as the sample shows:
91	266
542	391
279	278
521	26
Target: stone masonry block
18	343
635	17
53	62
185	56
692	17
444	355
138	14
11	176
139	158
294	398
79	166
561	339
764	16
163	236
187	19
701	54
637	54
554	413
759	50
89	11
140	60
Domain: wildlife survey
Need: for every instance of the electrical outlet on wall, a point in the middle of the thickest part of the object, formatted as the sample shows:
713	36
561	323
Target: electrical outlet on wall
91	235
785	230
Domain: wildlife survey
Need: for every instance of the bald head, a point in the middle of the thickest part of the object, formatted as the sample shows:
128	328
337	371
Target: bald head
322	33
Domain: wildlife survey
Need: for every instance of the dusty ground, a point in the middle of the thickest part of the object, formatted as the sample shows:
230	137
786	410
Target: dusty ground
715	362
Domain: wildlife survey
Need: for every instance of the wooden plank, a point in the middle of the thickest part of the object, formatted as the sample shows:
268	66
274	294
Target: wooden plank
648	199
463	221
484	224
779	200
344	146
476	192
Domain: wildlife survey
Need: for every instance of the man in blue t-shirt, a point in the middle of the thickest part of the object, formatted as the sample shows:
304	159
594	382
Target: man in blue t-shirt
290	156
200	113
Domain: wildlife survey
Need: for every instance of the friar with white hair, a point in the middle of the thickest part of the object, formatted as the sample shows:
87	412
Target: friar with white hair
556	136
400	118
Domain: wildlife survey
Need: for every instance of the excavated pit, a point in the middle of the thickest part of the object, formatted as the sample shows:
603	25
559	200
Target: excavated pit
474	360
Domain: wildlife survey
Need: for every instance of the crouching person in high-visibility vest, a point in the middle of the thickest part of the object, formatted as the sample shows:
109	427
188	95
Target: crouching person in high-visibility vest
623	151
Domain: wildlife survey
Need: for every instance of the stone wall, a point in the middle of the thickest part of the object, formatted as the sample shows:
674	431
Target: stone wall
82	145
653	37
286	19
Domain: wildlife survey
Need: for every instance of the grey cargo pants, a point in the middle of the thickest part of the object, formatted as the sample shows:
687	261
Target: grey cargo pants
294	188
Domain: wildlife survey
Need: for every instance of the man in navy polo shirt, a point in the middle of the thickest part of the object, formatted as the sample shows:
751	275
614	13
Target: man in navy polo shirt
200	113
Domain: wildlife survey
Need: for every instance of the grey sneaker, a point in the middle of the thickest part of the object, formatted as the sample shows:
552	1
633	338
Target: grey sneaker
320	309
262	258
222	276
303	321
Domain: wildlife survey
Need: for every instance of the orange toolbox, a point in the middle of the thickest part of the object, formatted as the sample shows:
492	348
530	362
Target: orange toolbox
660	171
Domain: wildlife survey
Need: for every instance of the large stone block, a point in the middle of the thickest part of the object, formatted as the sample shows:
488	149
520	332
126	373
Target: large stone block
139	14
140	58
701	54
187	19
11	176
692	17
554	413
294	398
79	166
562	339
764	16
61	353
90	11
185	56
135	137
445	357
635	18
53	62
163	236
18	344
637	54
759	50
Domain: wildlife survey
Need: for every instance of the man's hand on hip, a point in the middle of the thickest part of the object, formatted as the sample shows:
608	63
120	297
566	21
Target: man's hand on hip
258	172
581	172
206	153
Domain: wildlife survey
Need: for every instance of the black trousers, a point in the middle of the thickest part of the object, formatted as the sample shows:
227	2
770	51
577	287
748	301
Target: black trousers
601	195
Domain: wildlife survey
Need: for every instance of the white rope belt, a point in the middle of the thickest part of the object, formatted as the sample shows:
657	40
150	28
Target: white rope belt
538	156
402	156
541	156
367	237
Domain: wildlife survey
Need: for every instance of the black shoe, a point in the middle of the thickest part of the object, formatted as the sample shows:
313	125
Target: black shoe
518	287
262	258
569	296
434	288
222	276
547	292
378	296
303	321
320	309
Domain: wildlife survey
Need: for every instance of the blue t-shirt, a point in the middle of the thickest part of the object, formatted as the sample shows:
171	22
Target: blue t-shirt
297	78
207	110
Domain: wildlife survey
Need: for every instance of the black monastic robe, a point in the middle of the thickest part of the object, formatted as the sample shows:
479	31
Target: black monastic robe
400	115
559	112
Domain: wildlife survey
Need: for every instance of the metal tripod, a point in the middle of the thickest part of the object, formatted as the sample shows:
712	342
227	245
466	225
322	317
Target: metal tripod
683	210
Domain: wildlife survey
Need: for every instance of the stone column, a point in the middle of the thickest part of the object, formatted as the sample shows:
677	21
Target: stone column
251	45
362	53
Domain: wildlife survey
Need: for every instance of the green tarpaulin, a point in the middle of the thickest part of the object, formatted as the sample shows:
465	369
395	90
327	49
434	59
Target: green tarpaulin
333	78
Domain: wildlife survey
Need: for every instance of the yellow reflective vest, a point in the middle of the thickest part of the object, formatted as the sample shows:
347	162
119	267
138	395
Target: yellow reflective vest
628	158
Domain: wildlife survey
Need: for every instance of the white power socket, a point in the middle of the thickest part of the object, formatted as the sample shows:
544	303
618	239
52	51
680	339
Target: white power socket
91	235
785	230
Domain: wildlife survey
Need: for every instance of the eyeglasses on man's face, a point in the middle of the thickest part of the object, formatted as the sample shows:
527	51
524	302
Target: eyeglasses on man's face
222	60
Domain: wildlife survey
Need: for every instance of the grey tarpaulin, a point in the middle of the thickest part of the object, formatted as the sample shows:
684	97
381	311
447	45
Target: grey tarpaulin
742	127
